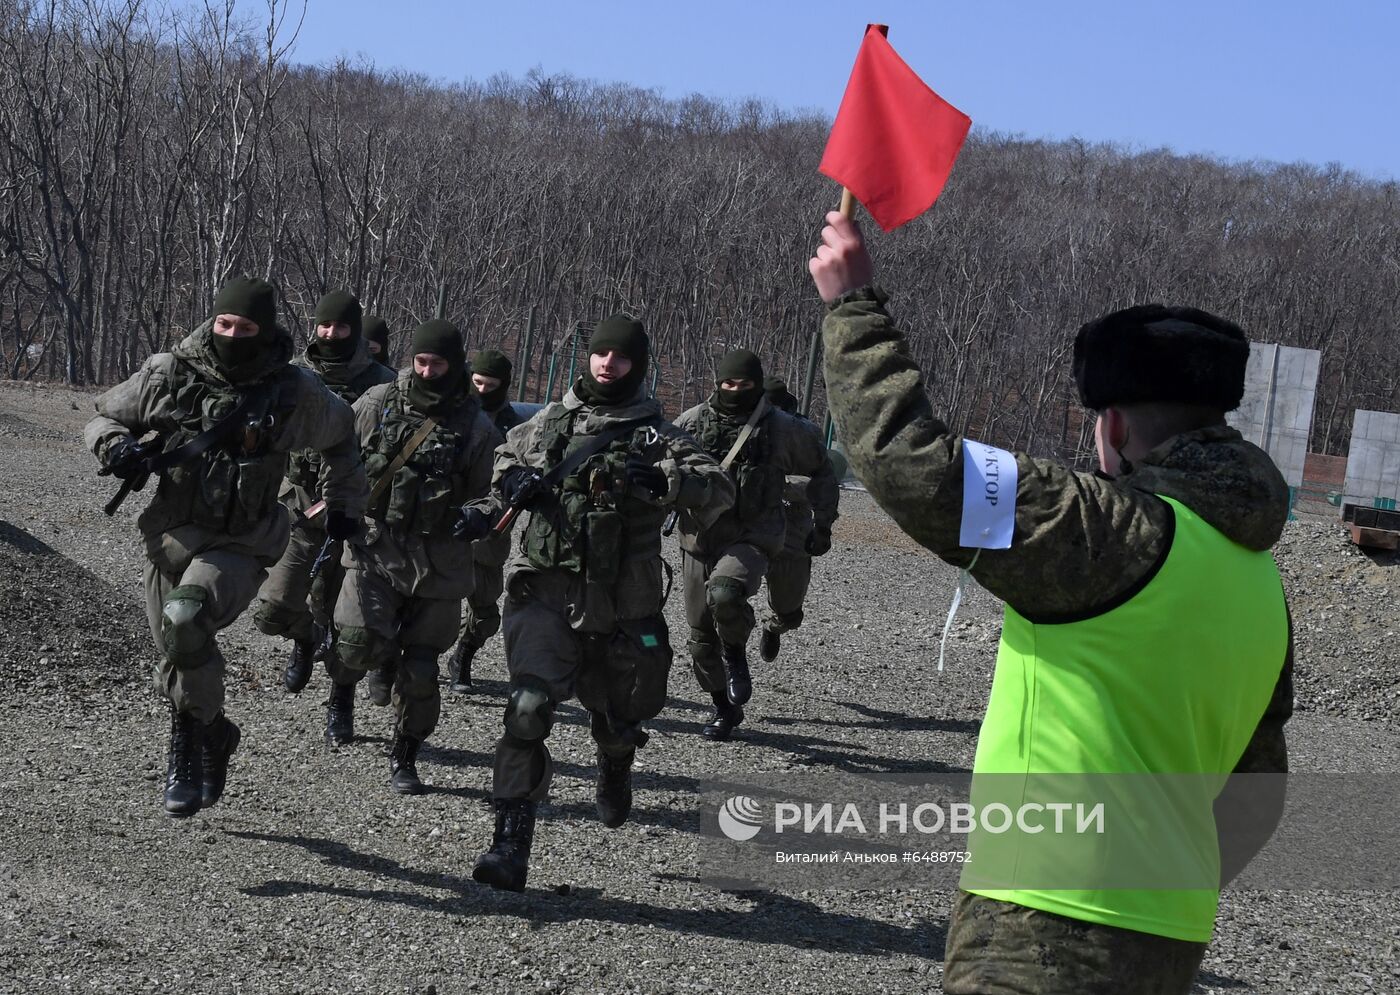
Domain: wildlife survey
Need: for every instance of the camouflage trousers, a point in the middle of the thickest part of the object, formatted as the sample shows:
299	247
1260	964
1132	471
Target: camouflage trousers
996	948
717	608
619	677
481	618
789	577
224	583
378	626
291	604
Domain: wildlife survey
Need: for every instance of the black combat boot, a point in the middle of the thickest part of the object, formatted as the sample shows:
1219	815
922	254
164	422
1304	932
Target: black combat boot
507	863
727	716
298	671
459	667
613	795
379	684
184	780
403	765
769	644
736	673
340	715
221	739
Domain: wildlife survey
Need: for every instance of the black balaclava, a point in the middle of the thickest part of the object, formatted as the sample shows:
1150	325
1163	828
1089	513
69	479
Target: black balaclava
440	338
778	394
1152	353
251	298
492	363
739	364
376	329
339	307
621	333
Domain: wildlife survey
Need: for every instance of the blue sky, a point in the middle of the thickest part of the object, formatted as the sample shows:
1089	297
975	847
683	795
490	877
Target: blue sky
1275	80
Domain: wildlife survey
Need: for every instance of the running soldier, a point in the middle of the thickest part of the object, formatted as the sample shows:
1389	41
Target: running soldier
597	473
376	332
481	618
228	409
427	450
724	560
790	571
291	602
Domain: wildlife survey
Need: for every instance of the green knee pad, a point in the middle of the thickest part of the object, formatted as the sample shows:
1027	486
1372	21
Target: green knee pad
728	600
703	645
184	627
360	649
529	712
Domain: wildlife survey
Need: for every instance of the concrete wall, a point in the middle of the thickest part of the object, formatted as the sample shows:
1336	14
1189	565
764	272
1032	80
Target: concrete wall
1280	385
1373	464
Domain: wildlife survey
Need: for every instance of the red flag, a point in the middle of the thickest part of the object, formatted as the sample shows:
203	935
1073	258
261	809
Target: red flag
894	139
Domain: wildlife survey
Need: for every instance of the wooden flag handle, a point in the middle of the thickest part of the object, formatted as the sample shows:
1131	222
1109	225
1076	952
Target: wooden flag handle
848	199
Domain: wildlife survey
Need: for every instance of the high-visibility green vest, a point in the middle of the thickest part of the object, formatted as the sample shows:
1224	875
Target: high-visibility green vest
1174	680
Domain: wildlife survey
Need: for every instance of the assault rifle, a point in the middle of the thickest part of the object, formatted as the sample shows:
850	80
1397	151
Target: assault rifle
138	455
568	465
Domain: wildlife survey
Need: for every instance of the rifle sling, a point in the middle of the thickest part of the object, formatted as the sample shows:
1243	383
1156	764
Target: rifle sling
205	440
411	446
759	410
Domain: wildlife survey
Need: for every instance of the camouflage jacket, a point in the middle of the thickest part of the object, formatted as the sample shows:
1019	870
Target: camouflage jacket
504	417
1081	540
780	445
408	537
178	394
695	485
346	381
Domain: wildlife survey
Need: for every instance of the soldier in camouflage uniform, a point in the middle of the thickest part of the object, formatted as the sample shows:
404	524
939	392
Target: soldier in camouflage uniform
427	449
227	398
290	604
790	571
1120	589
481	618
376	332
724	561
584	595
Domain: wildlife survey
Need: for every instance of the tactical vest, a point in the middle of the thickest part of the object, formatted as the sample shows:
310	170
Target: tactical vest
304	469
233	485
429	488
758	484
591	522
1123	693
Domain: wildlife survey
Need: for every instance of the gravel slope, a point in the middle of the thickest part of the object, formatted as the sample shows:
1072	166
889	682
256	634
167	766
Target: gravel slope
312	876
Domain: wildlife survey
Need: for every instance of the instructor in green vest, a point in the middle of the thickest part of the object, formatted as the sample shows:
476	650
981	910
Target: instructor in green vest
1145	632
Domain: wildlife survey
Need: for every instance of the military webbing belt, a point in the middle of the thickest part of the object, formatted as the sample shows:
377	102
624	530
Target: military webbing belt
759	410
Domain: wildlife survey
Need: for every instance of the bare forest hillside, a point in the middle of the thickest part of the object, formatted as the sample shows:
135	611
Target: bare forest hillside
148	154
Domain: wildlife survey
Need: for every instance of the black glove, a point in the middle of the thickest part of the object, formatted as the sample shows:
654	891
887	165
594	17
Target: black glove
818	542
645	475
124	459
473	525
521	486
340	526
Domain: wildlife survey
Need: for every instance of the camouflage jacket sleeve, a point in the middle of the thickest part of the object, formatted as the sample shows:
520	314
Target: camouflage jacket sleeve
327	424
1079	541
138	405
695	482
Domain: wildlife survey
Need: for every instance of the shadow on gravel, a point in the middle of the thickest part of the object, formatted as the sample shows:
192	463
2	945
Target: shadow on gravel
892	721
773	919
1210	981
23	541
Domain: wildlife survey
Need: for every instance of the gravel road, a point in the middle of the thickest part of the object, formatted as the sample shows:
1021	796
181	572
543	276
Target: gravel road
312	877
